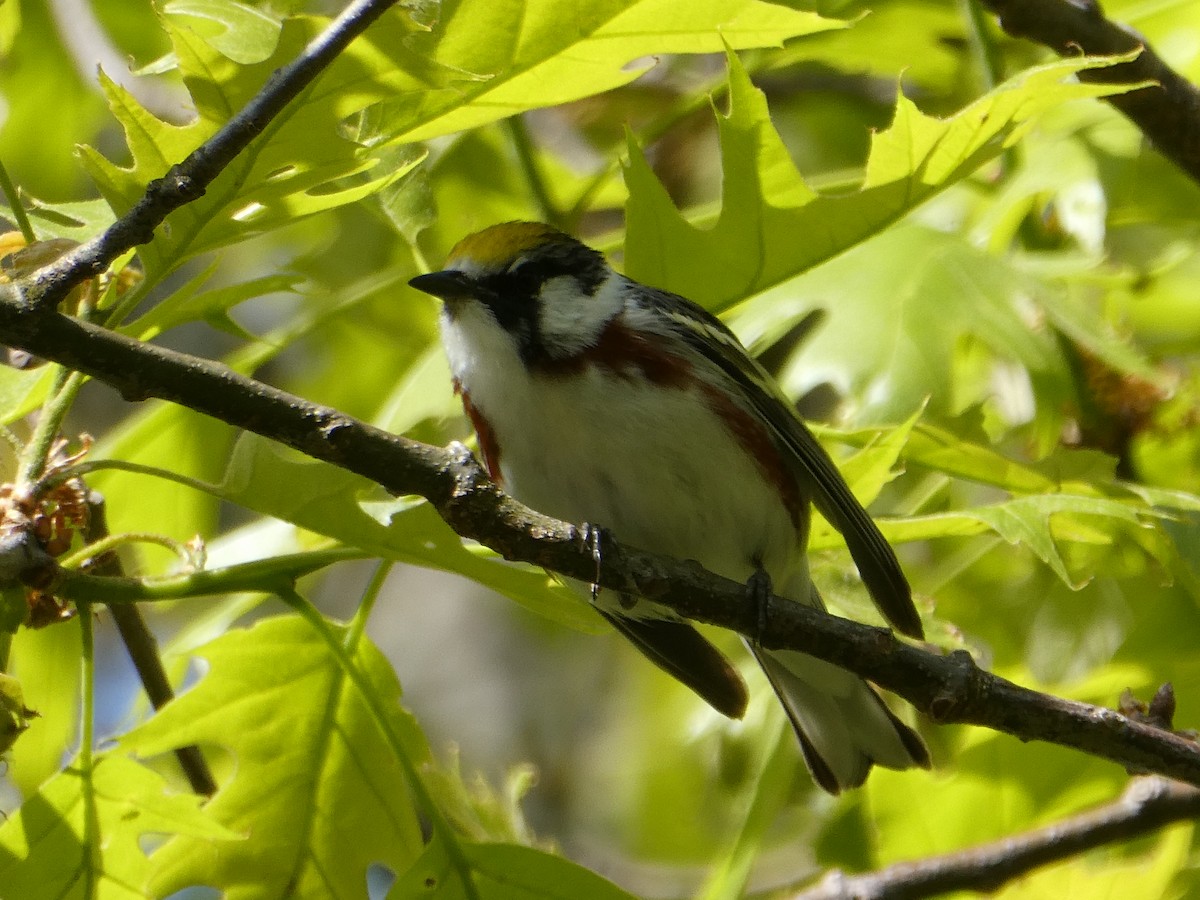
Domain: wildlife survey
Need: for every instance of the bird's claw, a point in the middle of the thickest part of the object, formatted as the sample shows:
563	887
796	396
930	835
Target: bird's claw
593	537
759	590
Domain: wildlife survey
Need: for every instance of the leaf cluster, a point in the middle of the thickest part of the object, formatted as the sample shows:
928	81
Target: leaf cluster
981	284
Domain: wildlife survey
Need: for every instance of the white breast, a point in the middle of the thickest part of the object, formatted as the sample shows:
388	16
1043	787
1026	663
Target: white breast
655	465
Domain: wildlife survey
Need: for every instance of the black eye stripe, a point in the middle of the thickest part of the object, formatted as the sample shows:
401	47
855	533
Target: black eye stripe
553	260
512	302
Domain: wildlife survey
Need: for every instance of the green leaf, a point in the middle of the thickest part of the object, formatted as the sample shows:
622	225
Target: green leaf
190	304
874	466
482	62
513	872
1079	321
1041	522
931	54
867	472
901	309
731	874
1140	873
14	714
170	437
772	226
524	55
302	164
42	849
22	391
243	33
408	203
431	877
78	221
50	103
315	783
1033	522
40	657
502	872
941	450
327	500
10	25
474	807
164	436
424	393
1069	498
1020	786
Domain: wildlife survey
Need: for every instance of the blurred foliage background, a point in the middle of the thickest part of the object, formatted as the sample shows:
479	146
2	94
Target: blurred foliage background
983	285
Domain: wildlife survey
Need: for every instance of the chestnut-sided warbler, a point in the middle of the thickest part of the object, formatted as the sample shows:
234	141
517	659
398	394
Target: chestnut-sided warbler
600	400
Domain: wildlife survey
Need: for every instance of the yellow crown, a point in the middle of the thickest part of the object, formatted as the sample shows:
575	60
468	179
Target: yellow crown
498	245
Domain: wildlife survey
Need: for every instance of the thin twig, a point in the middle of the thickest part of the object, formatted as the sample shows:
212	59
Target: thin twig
33	458
522	143
948	688
1146	806
984	52
14	203
187	181
1168	113
91	864
143	648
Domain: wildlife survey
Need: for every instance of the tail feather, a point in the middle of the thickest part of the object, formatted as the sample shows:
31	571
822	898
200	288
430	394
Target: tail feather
683	653
843	725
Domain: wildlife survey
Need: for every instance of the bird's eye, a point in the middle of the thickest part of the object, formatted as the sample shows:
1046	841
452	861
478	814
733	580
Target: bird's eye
524	276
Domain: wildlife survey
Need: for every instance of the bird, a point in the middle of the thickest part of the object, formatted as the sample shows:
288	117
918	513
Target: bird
597	399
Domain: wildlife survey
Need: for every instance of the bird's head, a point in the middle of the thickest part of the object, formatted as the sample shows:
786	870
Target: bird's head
550	293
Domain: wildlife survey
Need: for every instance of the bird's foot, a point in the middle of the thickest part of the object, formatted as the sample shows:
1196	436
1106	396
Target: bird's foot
592	537
758	591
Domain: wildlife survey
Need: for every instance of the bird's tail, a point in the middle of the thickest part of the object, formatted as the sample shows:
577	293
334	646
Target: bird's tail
843	725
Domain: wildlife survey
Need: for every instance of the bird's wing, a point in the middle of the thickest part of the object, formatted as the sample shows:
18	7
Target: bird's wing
877	563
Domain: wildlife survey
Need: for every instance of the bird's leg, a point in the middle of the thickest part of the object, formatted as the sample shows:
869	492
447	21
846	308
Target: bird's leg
593	538
759	590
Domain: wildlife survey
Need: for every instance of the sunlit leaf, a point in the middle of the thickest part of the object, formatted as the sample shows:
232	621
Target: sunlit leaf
327	500
288	173
44	848
243	33
39	659
773	226
315	782
522	57
503	872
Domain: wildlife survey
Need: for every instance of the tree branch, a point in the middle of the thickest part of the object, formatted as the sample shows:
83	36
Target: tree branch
1168	113
947	688
1146	805
187	181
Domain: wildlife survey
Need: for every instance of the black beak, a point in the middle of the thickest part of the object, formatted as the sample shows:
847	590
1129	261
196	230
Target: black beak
447	285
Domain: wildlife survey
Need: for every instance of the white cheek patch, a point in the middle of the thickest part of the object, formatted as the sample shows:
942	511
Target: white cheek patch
569	320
